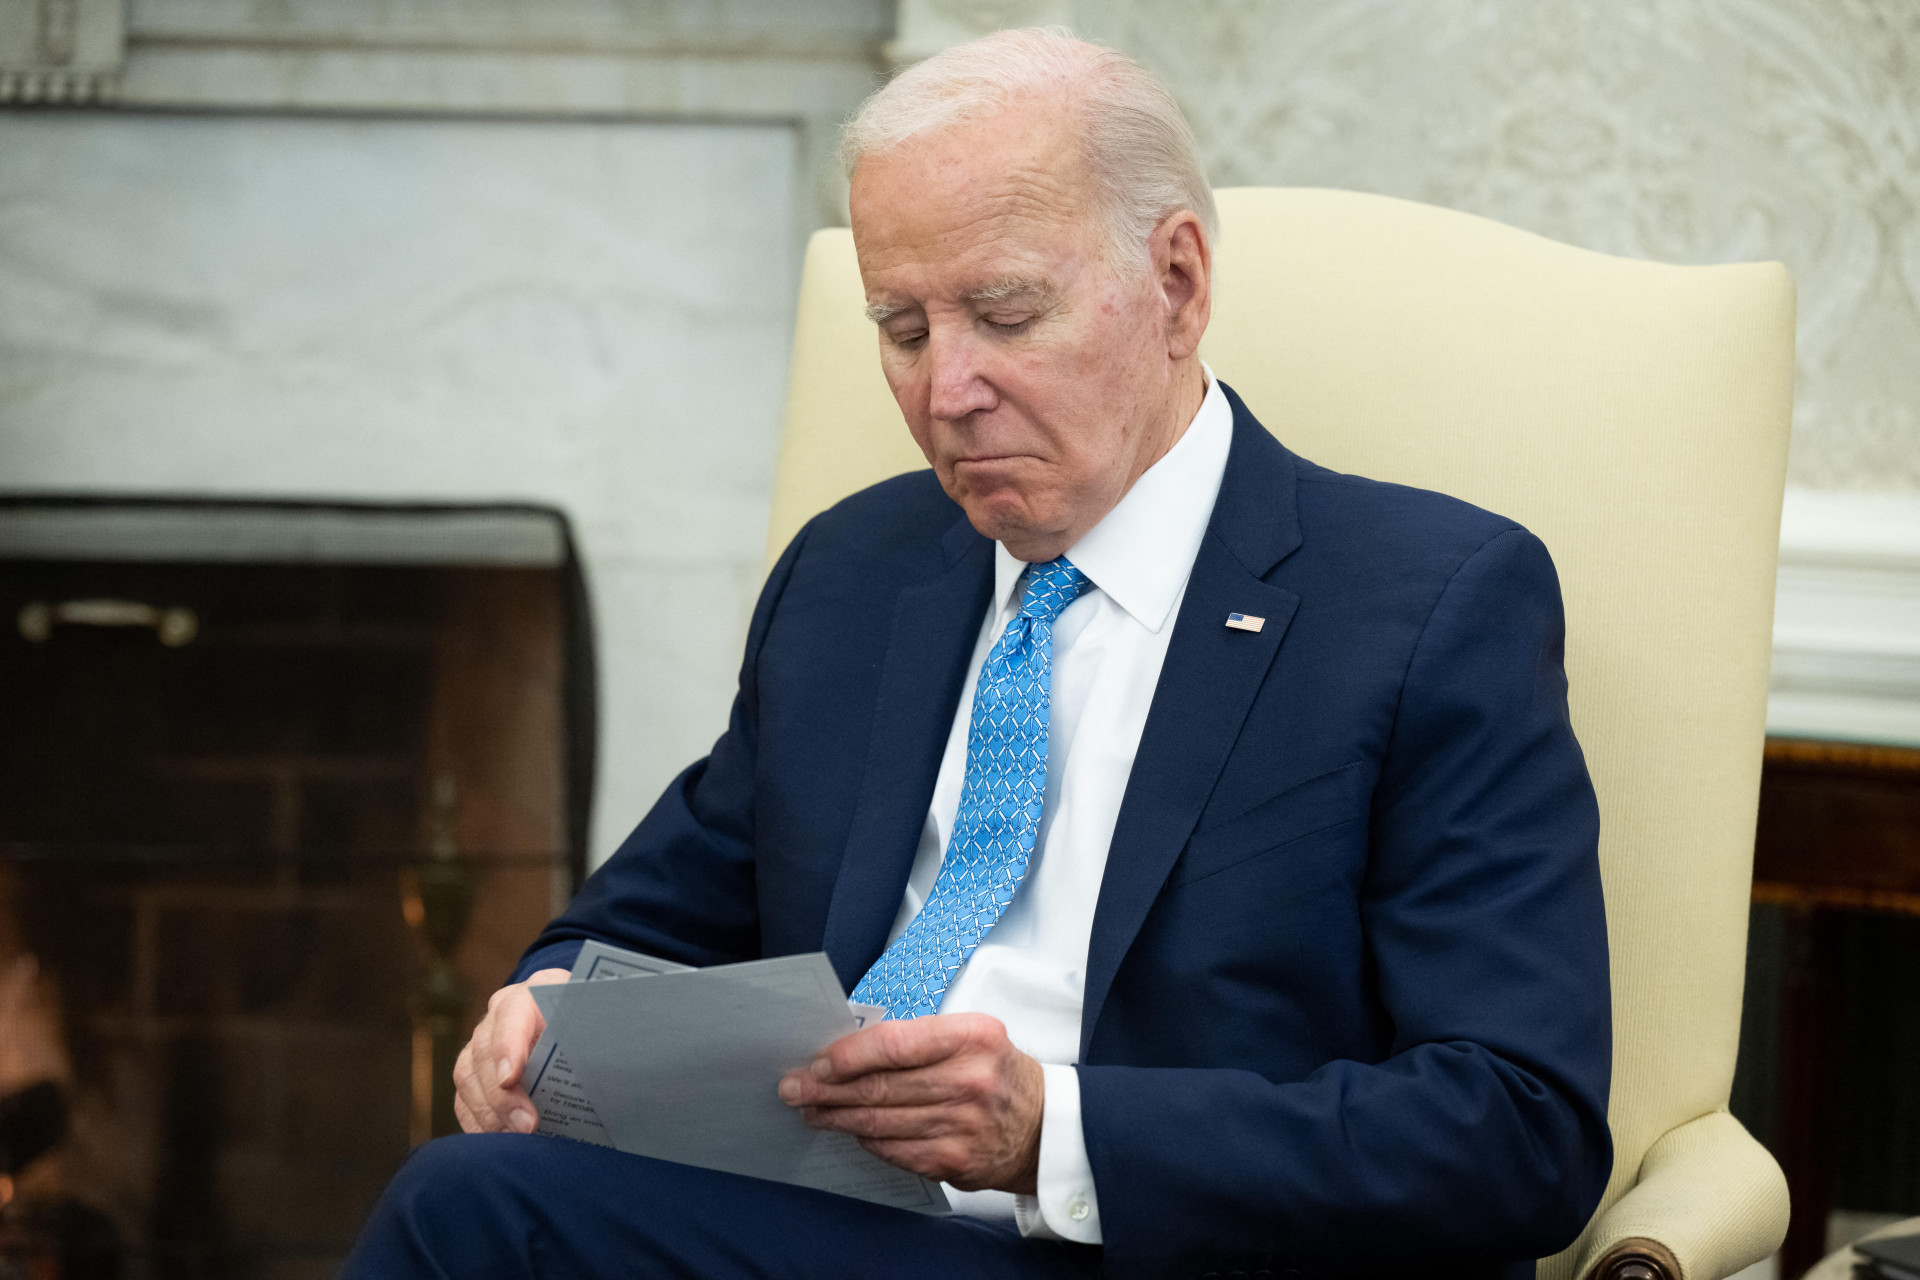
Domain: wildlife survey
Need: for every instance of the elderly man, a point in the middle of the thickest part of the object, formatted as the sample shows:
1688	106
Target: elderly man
1209	823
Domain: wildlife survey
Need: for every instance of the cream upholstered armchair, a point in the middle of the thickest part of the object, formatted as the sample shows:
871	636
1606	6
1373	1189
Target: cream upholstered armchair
1635	417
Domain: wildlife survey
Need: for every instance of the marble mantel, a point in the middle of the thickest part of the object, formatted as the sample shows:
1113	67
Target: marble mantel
801	63
1846	629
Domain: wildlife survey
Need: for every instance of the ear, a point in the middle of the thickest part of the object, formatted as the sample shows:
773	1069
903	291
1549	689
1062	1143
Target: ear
1183	272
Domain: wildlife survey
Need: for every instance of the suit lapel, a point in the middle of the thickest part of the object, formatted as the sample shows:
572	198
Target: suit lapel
934	628
1207	685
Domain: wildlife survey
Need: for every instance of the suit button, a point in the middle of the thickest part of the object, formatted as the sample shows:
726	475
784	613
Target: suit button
1077	1209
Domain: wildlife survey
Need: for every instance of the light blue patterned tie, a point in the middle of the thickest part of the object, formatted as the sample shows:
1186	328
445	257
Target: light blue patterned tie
999	817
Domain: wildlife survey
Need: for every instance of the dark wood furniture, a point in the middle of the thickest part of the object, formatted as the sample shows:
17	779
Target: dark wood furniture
1839	830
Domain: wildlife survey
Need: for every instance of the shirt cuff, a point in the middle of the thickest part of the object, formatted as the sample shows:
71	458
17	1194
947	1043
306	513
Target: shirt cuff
1064	1206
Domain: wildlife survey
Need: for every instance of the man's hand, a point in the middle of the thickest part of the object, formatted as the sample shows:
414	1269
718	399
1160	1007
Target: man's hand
945	1096
489	1098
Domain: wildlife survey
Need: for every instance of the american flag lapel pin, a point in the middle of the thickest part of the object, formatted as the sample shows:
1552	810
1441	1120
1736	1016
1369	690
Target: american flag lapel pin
1245	622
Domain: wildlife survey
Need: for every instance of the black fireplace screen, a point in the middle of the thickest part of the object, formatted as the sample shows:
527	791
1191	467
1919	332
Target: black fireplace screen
283	791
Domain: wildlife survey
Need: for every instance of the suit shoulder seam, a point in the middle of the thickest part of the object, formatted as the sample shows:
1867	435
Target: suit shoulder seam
1426	623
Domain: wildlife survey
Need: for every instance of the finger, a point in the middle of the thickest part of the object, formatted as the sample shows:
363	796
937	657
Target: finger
468	1089
483	1058
517	1108
917	1042
920	1123
493	1110
513	1023
464	1114
950	1081
517	1023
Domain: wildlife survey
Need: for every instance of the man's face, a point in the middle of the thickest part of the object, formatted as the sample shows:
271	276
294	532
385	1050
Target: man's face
1032	374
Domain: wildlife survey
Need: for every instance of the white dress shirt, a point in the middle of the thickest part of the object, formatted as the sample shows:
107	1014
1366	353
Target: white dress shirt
1030	969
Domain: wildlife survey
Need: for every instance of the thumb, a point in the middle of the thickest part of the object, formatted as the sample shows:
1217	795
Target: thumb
518	1023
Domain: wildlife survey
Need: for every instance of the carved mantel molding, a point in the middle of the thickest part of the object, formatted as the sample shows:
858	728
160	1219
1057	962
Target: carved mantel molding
58	51
1846	632
802	64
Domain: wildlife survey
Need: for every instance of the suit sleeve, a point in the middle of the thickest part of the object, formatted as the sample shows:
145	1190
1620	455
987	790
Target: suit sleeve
682	885
1482	1136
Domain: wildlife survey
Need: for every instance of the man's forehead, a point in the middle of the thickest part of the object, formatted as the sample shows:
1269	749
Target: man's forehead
998	249
996	229
981	208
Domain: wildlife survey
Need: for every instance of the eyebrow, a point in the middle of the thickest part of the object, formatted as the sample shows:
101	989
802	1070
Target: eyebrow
993	291
1012	287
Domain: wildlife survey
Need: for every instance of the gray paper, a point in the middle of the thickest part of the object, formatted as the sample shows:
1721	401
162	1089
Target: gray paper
557	1096
685	1067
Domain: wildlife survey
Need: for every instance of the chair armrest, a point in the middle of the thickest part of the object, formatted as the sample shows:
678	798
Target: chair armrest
1709	1201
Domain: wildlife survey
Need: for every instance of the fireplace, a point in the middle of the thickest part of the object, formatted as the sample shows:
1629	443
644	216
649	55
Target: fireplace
284	790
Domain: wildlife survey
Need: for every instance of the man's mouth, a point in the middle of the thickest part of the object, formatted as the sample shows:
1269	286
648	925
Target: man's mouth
979	459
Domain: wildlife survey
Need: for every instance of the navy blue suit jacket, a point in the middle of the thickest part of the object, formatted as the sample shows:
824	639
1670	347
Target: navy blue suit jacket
1347	998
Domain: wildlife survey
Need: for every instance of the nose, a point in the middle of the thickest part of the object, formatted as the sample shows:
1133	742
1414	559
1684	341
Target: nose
958	384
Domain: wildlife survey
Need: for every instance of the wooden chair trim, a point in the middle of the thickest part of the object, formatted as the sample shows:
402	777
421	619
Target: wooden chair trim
1636	1259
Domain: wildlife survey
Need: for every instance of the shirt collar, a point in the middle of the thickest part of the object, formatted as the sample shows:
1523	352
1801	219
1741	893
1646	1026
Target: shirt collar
1142	551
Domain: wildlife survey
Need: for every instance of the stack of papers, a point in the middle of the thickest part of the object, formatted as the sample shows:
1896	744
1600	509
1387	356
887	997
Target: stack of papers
681	1064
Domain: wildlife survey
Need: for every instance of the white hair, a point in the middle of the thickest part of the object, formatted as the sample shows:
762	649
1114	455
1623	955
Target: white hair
1139	150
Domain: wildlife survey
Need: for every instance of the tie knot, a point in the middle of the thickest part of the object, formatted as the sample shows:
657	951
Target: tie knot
1051	587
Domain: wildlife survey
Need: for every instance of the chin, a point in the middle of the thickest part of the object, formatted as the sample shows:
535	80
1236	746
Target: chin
1009	527
997	523
1001	511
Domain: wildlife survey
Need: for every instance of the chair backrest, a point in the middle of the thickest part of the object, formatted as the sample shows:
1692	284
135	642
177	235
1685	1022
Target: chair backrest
1633	415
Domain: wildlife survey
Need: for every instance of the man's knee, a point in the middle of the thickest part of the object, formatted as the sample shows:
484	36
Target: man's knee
464	1171
456	1207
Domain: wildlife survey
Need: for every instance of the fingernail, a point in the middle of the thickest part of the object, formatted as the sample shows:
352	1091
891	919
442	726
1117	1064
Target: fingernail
522	1121
789	1089
821	1068
506	1070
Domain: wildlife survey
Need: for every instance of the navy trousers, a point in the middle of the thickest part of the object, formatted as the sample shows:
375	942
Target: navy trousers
493	1206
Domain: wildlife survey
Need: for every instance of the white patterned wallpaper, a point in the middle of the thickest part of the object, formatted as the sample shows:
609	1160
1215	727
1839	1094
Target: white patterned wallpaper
1683	130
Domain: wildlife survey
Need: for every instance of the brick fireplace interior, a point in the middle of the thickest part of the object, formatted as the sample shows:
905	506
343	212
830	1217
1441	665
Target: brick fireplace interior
284	791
